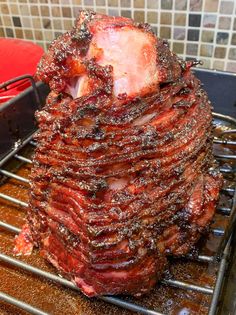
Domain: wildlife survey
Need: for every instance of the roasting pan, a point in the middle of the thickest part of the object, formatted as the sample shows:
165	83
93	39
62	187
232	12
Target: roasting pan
202	283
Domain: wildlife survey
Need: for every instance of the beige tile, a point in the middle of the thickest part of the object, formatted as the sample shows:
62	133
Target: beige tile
152	17
206	63
19	33
226	7
4	9
48	35
206	50
224	22
218	65
153	4
113	12
38	35
28	34
6	20
101	10
178	48
66	12
167	4
34	10
2	34
211	5
126	13
195	5
91	8
44	10
113	3
139	16
232	53
139	4
231	66
180	19
192	49
89	3
101	2
26	22
179	33
14	9
165	32
220	52
57	24
76	2
208	36
180	4
68	24
25	9
125	3
233	40
36	23
56	11
166	18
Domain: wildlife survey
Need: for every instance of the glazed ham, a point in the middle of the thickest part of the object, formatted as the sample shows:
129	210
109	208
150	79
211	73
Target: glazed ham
123	174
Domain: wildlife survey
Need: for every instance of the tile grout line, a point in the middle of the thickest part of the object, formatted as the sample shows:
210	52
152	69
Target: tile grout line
200	31
230	37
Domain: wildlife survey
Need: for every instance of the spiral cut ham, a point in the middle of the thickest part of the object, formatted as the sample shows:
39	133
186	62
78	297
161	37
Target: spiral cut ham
123	175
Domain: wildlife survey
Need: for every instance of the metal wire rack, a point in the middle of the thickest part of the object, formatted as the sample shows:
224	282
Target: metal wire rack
222	253
220	259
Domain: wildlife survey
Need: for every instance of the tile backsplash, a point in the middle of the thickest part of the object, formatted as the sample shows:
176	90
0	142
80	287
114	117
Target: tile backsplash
202	29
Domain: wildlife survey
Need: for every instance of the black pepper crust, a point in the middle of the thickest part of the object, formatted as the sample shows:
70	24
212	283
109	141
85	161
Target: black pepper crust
120	184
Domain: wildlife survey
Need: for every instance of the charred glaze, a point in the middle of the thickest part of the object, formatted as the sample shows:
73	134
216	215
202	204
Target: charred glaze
120	183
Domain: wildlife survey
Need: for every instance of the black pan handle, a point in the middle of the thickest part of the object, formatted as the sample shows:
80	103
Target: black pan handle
5	84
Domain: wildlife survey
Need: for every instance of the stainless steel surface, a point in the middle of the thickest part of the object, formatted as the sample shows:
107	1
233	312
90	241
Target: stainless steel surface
218	285
22	158
12	175
14	200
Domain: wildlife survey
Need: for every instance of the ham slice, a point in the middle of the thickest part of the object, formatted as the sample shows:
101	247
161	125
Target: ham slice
123	174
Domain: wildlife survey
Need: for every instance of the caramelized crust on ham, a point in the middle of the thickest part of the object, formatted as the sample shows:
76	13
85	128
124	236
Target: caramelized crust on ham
123	174
139	61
